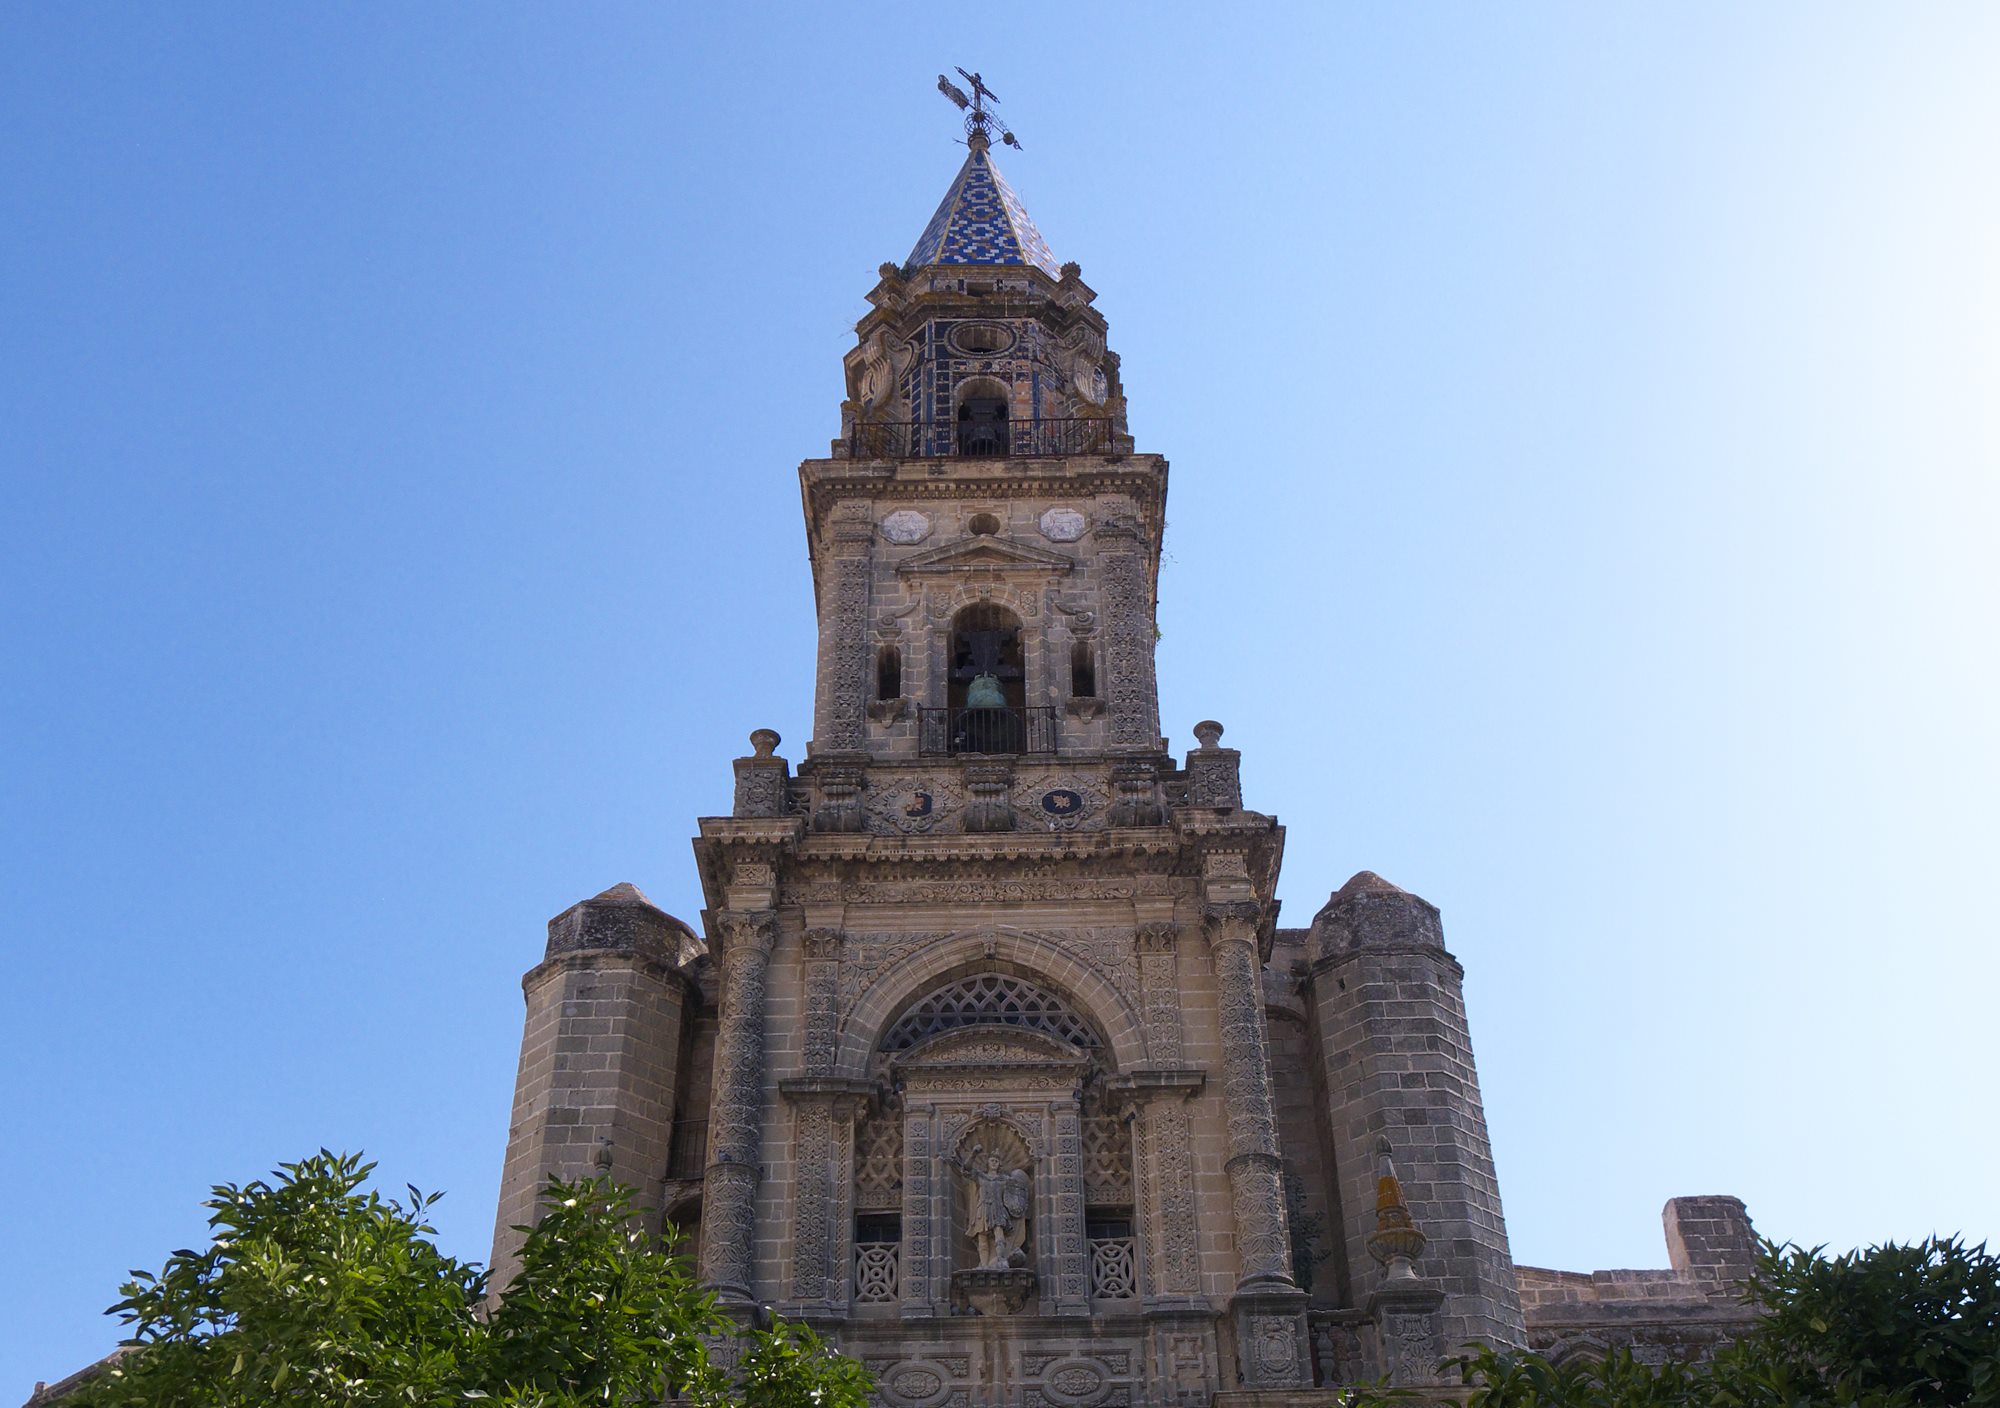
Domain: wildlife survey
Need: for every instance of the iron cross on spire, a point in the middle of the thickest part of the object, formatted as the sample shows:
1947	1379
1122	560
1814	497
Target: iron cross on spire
979	119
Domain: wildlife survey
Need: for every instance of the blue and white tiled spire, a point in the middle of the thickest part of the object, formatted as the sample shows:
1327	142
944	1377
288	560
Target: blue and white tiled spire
981	221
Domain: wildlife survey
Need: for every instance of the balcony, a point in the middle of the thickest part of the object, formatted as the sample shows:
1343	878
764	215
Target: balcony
941	732
910	440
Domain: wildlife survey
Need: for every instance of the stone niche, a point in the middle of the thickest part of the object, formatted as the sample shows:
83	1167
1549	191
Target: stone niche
993	1119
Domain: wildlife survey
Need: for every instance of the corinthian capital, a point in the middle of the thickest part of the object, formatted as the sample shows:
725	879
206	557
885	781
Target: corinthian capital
747	931
1232	919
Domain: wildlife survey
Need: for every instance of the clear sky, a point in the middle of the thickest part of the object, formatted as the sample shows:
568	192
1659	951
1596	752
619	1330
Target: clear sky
1586	477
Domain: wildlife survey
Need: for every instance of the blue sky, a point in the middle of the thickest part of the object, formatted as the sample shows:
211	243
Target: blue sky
1586	476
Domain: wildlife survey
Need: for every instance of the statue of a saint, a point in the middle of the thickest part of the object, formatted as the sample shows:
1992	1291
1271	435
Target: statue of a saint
1000	1202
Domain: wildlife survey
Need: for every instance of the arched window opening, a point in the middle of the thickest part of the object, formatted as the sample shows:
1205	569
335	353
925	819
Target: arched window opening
889	673
1082	670
982	417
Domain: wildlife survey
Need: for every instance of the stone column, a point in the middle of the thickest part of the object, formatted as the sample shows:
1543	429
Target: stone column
1127	684
839	715
736	1109
1269	1310
1256	1185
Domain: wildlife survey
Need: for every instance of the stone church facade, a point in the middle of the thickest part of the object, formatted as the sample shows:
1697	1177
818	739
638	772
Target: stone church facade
989	1057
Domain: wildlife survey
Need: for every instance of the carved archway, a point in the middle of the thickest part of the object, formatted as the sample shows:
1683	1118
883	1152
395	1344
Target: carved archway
1039	959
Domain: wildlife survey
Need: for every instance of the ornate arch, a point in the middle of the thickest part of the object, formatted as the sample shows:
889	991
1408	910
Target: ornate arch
1041	959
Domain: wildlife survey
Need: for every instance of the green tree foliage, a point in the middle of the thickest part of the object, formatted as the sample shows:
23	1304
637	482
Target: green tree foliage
317	1292
1891	1327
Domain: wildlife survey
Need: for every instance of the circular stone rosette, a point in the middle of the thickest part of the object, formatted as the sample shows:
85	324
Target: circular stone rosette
915	1384
1076	1383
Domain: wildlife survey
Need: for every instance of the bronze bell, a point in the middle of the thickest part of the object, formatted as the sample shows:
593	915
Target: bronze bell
985	693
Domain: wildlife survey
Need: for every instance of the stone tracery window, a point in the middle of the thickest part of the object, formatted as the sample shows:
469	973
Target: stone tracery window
988	999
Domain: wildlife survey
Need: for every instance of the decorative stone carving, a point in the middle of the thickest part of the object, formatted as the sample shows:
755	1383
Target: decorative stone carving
1138	804
878	1162
1167	1162
822	983
987	806
906	525
1128	642
813	1135
839	799
1062	525
1060	802
761	778
736	1105
1159	986
1255	1176
1107	1151
913	804
844	669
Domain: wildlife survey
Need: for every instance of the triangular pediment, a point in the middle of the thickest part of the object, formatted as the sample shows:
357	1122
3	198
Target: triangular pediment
991	554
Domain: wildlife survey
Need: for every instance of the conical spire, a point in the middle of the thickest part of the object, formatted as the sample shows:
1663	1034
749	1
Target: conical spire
981	221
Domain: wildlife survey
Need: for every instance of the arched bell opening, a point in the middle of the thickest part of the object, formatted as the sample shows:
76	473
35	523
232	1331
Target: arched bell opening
988	685
981	415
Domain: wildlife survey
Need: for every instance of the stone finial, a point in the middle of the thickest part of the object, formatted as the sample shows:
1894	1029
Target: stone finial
601	1160
1071	271
1209	733
764	742
1397	1241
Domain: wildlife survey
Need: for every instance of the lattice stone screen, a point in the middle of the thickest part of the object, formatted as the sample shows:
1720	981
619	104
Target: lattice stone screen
878	1163
875	1272
987	999
1112	1276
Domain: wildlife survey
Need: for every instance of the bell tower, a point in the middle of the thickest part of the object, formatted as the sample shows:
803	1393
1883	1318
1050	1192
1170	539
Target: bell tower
991	1059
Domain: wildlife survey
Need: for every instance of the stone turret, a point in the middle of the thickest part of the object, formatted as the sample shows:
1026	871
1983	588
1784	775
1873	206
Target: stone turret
600	1053
1397	1057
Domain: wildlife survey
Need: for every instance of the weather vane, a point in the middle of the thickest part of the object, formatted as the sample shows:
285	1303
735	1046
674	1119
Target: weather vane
979	120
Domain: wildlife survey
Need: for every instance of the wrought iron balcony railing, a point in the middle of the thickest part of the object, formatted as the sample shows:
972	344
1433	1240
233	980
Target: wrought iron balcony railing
1029	730
909	440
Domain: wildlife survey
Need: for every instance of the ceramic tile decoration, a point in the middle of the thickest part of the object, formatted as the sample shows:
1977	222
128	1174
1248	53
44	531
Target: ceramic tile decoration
982	221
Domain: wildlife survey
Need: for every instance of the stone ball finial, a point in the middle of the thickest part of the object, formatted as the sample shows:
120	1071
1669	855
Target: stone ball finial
765	741
602	1159
1209	732
1071	272
890	272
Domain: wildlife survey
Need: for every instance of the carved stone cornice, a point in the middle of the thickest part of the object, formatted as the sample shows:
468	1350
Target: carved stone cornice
849	1098
1156	1083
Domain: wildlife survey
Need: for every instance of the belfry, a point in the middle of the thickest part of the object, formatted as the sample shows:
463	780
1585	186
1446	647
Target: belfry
989	1057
